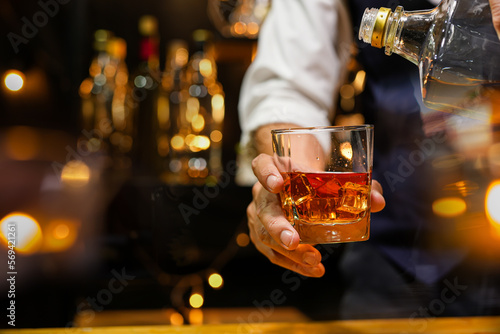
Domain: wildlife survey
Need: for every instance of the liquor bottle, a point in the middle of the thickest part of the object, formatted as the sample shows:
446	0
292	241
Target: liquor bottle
96	92
196	142
107	125
454	45
171	113
122	136
145	87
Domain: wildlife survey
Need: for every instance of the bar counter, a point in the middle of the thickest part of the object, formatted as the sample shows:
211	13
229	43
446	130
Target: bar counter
466	325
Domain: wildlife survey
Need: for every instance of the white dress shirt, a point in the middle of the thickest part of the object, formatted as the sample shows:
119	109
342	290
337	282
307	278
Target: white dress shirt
303	49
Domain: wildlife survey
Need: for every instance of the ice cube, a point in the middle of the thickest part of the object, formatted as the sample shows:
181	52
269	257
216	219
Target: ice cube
300	189
329	189
353	201
318	209
286	205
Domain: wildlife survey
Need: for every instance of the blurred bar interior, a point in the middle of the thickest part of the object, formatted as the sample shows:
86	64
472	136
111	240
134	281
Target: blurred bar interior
129	219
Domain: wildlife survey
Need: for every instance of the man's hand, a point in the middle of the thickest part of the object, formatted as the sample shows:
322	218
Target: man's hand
271	232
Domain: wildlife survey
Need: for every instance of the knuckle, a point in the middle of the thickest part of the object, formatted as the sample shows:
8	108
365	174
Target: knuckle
262	233
250	212
255	189
257	160
273	223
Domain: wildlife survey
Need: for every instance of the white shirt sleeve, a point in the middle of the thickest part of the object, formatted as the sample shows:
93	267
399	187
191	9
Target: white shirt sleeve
301	57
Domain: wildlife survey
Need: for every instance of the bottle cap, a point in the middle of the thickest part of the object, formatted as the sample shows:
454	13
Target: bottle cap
373	26
378	34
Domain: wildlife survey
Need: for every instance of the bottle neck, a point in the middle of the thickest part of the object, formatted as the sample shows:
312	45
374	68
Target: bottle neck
398	31
407	32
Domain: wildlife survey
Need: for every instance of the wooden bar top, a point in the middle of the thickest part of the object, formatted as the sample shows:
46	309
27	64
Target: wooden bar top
465	325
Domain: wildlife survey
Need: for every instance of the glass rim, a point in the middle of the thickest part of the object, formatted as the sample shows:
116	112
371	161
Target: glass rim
329	128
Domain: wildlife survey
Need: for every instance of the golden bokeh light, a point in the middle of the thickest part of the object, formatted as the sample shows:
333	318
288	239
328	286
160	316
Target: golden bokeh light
217	101
61	231
75	174
14	80
253	29
195	317
60	235
199	143
242	239
109	70
196	300
86	87
95	69
218	108
449	207
215	280
22	143
206	67
193	108
239	28
22	231
347	91
198	123
176	319
492	204
181	57
216	136
177	142
189	139
359	82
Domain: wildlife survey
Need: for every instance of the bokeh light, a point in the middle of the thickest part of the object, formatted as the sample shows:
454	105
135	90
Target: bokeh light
196	300
492	204
242	239
195	317
75	174
216	136
177	142
22	143
176	319
14	80
449	207
215	280
21	230
60	235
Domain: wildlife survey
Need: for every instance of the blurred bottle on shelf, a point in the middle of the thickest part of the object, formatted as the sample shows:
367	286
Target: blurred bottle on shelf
145	84
122	113
238	18
106	113
197	114
171	113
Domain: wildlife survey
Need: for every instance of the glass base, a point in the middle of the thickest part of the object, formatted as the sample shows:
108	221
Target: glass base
333	233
